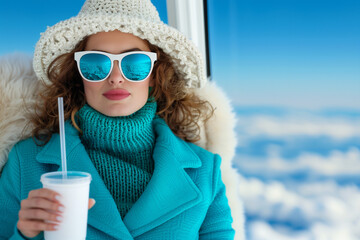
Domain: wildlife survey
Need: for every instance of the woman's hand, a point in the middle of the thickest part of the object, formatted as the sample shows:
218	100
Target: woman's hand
41	206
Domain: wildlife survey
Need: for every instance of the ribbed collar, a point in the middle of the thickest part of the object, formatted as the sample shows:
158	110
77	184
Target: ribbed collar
119	136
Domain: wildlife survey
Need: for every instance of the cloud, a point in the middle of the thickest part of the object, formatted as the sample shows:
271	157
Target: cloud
309	152
260	230
337	163
296	124
323	210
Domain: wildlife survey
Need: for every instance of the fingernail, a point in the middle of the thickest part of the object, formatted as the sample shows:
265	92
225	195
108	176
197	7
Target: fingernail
58	197
94	201
61	209
56	227
59	218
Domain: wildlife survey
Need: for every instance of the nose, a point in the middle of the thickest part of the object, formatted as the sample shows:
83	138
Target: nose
115	76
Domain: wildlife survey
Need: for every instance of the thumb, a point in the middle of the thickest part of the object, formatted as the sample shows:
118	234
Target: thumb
91	202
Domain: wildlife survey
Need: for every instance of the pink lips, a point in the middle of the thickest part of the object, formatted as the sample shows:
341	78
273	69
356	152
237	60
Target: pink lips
116	94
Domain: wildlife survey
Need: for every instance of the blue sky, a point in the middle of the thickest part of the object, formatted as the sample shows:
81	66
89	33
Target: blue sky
292	53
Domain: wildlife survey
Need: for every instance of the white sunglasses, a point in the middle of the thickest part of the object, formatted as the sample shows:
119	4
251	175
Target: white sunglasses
96	66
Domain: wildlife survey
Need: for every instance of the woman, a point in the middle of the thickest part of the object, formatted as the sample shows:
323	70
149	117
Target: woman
130	120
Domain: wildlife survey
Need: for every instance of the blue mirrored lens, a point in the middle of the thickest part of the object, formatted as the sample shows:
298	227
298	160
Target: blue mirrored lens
136	67
95	66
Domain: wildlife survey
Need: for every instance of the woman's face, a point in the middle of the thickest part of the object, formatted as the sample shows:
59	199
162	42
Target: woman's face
133	94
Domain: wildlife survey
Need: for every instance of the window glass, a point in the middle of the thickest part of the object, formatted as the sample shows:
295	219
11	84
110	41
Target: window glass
291	69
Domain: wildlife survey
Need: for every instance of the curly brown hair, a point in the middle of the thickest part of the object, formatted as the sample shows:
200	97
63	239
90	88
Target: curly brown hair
177	105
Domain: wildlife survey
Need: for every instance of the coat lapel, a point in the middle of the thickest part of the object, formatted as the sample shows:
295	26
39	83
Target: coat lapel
104	215
170	190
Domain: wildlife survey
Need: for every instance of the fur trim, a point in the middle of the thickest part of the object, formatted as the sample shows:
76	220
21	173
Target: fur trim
18	91
18	86
218	136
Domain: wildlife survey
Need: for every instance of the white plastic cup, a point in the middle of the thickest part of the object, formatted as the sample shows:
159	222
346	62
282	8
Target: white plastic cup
74	191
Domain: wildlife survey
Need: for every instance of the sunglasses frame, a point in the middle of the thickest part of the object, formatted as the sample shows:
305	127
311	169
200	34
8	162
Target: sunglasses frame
113	57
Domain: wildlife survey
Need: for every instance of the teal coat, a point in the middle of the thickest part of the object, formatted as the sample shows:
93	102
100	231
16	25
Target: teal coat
185	198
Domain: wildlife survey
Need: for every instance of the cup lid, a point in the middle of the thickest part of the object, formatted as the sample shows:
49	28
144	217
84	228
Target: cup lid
71	177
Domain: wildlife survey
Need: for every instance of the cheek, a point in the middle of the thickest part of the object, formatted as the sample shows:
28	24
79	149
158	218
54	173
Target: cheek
145	87
140	87
91	89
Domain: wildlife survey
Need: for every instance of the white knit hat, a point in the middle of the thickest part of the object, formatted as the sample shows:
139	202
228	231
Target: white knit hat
138	17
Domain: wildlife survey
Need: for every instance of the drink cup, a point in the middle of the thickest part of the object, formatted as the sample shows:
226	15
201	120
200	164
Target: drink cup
74	191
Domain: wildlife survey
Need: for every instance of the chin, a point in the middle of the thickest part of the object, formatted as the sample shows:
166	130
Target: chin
118	111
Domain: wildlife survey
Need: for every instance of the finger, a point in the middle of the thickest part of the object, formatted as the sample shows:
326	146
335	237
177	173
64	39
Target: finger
36	225
42	203
39	214
91	203
45	193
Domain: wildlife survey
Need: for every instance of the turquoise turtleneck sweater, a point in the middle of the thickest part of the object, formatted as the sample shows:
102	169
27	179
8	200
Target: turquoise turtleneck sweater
121	151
